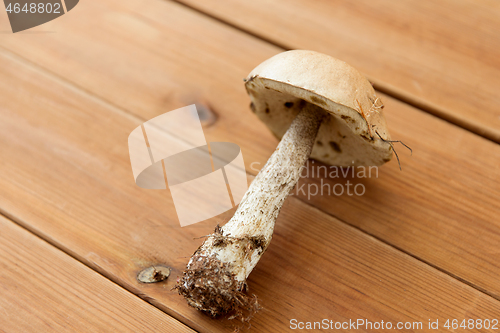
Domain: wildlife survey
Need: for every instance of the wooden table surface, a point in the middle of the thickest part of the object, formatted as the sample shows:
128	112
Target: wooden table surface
421	244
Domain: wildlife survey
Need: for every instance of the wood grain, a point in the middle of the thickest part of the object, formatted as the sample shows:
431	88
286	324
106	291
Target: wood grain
441	56
66	176
45	290
437	209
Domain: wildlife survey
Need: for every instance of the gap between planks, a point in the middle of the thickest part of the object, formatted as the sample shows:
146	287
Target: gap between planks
428	263
60	254
96	268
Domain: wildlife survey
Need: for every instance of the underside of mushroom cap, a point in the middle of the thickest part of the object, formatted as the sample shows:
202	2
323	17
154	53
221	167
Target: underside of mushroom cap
352	135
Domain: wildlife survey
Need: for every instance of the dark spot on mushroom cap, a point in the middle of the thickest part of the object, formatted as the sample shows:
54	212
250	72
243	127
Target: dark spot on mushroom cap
347	118
366	137
288	104
267	108
318	100
301	104
319	143
252	107
335	146
269	88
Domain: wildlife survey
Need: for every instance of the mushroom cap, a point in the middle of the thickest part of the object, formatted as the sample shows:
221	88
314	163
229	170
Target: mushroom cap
351	136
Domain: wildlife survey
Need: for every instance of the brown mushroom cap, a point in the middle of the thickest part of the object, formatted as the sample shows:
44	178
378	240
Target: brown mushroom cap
282	85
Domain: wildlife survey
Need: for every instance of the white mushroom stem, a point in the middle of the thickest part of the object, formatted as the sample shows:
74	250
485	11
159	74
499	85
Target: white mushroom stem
217	272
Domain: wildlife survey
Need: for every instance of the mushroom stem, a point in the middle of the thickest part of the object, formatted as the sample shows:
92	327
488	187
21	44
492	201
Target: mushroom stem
216	273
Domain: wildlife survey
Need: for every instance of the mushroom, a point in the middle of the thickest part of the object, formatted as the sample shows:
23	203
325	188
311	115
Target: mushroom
319	107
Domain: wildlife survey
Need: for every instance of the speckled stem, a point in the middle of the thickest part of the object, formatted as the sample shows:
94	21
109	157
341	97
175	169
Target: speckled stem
217	271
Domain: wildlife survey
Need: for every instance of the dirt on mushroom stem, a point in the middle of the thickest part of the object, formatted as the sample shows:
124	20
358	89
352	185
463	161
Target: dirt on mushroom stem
215	278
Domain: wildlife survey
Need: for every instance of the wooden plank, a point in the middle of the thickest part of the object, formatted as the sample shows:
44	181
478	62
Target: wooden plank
65	175
45	290
442	56
425	210
73	150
